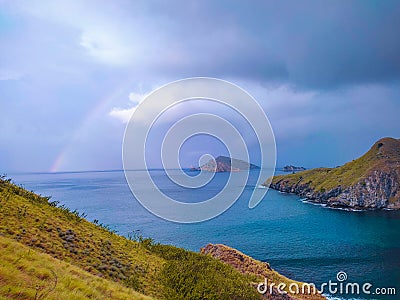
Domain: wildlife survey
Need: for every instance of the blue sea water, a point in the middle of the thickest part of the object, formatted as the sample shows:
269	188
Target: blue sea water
302	241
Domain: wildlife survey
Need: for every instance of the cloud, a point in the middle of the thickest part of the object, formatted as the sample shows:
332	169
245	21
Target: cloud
102	32
124	114
105	47
324	72
136	97
301	44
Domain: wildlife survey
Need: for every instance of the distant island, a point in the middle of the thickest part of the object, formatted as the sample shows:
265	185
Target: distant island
291	168
226	164
369	182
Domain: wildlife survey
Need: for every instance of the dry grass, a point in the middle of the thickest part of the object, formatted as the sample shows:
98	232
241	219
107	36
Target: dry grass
104	261
29	274
31	220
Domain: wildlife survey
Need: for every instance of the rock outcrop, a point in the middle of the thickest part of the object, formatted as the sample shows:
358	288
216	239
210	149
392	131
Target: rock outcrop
291	168
238	260
369	182
248	265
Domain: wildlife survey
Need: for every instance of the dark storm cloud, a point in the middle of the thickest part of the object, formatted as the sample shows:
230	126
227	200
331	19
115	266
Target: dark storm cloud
311	44
67	68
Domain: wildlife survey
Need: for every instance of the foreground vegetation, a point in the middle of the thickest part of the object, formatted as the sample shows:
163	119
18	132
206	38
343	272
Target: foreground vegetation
29	274
89	261
50	252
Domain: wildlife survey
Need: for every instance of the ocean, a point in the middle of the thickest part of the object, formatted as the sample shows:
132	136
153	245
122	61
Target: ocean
302	241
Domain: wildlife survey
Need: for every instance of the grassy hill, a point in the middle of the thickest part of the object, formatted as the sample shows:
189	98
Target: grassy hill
49	252
29	274
371	181
159	271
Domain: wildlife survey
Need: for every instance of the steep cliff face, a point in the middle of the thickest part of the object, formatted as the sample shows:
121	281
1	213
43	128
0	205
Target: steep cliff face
369	182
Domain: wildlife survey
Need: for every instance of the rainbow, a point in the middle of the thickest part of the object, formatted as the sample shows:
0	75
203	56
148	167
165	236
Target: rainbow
62	158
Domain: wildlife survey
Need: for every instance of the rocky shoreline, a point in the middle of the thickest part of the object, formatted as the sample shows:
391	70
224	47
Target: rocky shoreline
368	183
372	193
368	195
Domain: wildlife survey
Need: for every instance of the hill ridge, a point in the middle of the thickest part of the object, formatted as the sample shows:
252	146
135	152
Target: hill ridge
128	264
371	181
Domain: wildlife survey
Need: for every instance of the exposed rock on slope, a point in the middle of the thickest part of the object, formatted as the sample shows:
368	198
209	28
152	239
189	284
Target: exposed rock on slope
237	259
226	164
248	265
369	182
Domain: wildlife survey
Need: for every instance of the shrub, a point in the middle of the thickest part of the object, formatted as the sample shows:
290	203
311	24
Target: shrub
189	275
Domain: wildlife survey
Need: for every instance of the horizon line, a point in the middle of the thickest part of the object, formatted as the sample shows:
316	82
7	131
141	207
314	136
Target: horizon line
99	171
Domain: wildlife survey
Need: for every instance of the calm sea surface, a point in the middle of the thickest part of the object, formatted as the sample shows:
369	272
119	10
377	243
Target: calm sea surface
302	241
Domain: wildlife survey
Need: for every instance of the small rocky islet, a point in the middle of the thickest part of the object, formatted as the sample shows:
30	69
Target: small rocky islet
226	164
291	168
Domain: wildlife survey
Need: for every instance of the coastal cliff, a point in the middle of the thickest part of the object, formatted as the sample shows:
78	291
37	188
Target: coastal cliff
369	182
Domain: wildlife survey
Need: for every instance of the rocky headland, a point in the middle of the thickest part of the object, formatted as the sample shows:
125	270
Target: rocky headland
369	182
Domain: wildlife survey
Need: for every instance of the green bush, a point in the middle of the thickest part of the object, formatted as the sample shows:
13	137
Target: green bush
189	275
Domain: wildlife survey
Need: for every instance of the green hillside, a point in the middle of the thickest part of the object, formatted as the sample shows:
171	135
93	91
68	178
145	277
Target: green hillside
127	265
29	274
49	252
371	181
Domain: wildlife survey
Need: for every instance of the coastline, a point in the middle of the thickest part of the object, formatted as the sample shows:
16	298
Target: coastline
334	207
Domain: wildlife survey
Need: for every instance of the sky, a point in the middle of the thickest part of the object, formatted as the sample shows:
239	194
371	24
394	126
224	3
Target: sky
326	73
